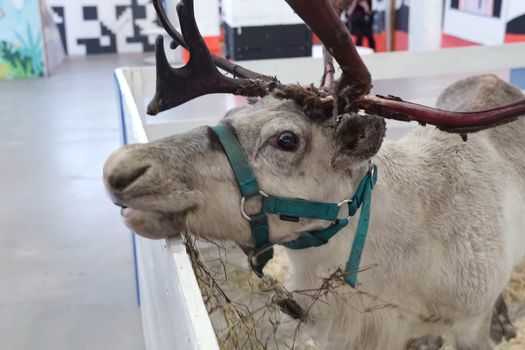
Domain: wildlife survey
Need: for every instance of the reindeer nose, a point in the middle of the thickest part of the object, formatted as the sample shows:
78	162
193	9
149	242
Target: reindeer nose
121	178
123	168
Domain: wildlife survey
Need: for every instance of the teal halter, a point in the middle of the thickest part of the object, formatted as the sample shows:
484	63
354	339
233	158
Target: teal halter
291	209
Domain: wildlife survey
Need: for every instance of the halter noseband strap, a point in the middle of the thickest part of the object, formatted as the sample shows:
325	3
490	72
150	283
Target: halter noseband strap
291	209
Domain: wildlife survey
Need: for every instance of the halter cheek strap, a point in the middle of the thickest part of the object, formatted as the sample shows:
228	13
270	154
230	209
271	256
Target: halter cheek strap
292	209
263	251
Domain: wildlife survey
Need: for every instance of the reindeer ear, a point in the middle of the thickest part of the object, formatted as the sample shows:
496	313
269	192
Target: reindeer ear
358	138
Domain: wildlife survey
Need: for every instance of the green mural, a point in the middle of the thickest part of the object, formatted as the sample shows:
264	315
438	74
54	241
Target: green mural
21	48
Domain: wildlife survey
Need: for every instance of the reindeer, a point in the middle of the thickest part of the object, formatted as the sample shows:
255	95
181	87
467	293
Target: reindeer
444	223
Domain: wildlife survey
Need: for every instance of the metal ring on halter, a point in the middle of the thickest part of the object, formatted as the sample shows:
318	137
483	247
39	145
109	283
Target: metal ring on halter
243	199
343	202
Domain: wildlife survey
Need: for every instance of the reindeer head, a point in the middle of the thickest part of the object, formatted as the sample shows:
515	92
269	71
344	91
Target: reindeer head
186	182
300	142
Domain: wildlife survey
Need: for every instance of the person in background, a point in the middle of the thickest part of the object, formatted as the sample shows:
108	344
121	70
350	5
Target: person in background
359	21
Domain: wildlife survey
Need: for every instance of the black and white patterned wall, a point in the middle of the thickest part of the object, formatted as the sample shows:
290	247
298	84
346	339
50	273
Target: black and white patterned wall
105	26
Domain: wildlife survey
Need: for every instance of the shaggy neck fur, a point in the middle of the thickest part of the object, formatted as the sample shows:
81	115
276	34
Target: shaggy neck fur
408	271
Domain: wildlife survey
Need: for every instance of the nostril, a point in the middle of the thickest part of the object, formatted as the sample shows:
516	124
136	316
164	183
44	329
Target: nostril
122	180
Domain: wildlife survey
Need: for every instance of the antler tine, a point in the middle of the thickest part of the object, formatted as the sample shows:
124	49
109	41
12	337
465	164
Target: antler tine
355	80
178	39
199	52
327	80
170	29
199	76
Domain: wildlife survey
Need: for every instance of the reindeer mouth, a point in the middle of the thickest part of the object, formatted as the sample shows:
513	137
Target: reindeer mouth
171	201
153	224
159	218
130	215
126	211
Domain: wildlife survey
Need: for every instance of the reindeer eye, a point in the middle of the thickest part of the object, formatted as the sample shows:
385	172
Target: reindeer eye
288	141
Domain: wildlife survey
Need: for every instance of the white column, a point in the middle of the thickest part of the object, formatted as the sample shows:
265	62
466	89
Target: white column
425	25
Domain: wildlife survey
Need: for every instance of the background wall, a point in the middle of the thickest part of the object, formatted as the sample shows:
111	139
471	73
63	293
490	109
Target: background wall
105	26
21	44
489	22
515	30
122	26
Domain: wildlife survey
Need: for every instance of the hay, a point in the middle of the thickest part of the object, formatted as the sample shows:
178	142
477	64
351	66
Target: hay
245	311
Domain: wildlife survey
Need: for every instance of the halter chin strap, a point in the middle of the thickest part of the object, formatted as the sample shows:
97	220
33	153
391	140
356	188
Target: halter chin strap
291	209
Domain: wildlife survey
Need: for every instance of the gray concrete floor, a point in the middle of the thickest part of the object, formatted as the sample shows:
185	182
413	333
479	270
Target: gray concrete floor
66	267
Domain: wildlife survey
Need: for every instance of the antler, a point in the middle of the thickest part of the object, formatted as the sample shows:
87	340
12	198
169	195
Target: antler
355	83
200	75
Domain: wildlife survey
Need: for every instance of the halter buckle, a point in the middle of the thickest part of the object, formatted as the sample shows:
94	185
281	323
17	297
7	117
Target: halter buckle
243	200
